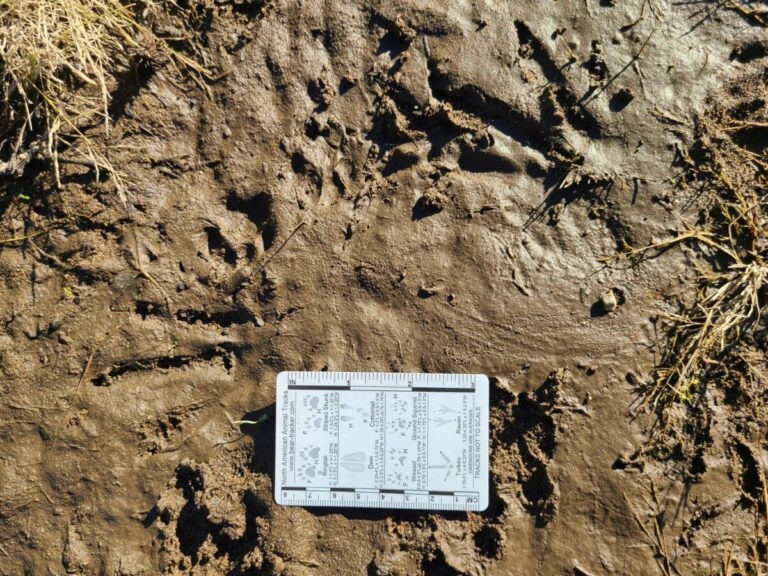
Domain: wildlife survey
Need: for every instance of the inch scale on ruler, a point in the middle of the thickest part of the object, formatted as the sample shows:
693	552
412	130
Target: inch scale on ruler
382	440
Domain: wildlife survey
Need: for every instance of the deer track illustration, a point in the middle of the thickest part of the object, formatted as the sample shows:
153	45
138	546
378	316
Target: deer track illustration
354	461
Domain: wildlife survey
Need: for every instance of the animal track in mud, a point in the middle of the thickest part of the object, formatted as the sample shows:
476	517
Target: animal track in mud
212	518
467	108
158	435
523	440
447	546
260	211
700	518
578	116
747	471
218	246
475	102
215	355
596	66
222	318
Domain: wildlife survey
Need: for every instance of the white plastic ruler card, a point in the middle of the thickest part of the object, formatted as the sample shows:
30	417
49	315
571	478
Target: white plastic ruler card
382	440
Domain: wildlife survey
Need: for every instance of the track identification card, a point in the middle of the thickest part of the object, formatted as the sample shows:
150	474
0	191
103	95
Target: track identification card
382	440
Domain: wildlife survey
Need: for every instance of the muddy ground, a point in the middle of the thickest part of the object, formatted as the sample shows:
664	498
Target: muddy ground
401	187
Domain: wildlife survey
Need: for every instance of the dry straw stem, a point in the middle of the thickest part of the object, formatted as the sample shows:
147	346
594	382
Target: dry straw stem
58	61
751	558
733	231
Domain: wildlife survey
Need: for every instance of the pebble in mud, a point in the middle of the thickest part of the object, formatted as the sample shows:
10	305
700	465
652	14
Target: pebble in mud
609	301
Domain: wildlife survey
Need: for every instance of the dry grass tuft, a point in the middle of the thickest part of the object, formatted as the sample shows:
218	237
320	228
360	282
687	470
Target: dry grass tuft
58	63
728	172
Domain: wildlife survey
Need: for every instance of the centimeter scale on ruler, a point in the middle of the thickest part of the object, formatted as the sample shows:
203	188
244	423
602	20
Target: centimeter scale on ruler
382	440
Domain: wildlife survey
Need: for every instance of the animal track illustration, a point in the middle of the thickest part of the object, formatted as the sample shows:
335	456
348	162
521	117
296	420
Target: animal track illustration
310	457
441	421
307	472
447	465
399	406
311	421
311	402
352	413
353	462
399	425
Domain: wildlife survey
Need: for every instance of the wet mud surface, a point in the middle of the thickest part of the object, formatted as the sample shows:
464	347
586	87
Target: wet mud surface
394	187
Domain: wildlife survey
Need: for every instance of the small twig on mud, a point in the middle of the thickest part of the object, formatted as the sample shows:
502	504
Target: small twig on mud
668	117
143	273
54	225
425	44
700	235
50	257
279	248
756	14
640	18
82	376
620	72
22	238
657	538
78	162
228	442
40	487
